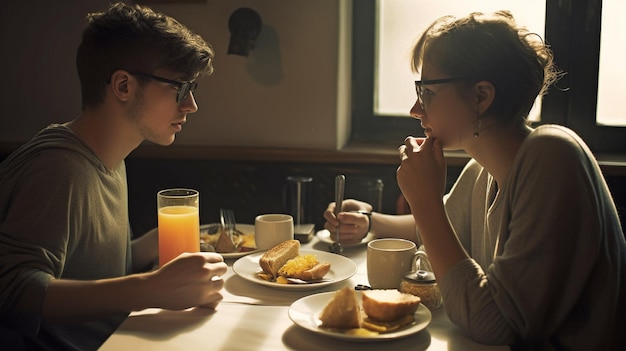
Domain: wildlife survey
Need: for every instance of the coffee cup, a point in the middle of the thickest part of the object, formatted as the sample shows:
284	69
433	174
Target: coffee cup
272	229
388	260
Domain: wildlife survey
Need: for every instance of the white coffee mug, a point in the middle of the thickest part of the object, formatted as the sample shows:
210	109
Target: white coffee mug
272	229
388	260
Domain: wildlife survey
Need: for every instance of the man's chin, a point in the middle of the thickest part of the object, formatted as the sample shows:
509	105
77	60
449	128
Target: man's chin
167	142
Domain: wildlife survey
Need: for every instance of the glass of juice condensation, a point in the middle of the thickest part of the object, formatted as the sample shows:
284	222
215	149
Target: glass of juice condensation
179	223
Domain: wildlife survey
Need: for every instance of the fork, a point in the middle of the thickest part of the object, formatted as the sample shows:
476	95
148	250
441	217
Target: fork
227	220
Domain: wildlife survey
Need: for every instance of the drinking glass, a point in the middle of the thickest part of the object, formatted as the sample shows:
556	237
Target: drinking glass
179	223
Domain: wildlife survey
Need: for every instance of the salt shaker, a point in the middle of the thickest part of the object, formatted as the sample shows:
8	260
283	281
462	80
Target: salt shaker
423	284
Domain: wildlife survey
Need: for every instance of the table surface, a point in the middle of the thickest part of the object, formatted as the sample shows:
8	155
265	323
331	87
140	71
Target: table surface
255	317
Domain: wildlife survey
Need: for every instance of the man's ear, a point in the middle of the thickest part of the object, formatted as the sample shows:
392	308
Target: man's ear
122	85
485	94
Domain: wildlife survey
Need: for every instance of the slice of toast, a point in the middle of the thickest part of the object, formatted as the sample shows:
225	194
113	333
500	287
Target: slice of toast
224	244
342	311
387	305
274	258
316	272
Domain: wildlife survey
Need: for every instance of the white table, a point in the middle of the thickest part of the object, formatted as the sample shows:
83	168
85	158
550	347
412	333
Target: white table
255	317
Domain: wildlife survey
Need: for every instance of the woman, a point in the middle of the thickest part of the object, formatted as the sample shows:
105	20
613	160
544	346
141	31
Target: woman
527	246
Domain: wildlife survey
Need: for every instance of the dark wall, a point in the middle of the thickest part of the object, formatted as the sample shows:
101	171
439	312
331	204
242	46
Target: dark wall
250	188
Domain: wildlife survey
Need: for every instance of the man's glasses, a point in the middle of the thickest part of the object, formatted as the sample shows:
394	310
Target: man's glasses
422	94
184	88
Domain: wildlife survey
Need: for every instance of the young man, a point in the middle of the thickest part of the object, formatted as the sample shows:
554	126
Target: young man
66	256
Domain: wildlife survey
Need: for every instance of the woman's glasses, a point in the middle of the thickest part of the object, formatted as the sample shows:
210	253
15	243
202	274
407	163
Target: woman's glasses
421	91
184	88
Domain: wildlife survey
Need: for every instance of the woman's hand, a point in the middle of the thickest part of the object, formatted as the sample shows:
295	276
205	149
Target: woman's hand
422	173
352	225
191	279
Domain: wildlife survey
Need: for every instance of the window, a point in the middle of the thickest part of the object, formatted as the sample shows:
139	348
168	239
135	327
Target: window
383	97
612	75
398	30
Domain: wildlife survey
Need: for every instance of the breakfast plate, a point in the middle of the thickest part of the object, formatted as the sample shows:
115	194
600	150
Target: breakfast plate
305	313
324	235
247	231
341	268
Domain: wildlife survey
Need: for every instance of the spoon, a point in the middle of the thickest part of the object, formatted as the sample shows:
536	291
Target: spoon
340	182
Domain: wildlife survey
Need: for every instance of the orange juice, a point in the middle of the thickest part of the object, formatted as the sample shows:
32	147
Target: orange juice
179	231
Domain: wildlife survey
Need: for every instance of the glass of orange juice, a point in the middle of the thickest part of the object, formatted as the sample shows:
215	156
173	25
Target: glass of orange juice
179	223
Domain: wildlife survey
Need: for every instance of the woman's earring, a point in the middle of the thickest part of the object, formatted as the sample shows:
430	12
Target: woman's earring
476	134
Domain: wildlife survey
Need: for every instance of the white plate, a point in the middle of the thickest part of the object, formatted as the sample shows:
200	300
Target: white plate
305	313
244	228
324	236
341	268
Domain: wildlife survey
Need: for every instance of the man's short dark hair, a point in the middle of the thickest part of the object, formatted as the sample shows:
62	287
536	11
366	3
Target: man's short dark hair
135	37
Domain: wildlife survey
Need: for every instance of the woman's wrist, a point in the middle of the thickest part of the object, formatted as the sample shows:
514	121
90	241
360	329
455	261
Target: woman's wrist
369	221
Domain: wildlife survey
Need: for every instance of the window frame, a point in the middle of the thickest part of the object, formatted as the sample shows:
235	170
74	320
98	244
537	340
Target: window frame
572	102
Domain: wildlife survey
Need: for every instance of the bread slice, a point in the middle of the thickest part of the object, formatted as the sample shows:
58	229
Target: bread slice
224	244
274	258
305	267
387	305
342	311
316	272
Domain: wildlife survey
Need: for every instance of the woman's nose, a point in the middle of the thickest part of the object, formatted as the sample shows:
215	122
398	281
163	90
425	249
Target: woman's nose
416	111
